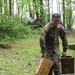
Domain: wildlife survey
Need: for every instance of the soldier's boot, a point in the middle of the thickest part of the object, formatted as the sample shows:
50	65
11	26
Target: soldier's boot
57	73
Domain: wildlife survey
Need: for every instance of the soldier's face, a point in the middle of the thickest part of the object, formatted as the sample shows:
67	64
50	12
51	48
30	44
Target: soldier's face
55	21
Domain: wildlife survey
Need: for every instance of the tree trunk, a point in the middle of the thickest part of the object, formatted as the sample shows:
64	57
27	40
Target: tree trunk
5	7
70	18
64	13
48	11
11	6
41	11
30	11
36	10
1	6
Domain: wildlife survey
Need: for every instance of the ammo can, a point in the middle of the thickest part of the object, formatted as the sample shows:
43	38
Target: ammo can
44	66
67	64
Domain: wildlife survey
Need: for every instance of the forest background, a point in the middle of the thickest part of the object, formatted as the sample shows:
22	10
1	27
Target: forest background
21	22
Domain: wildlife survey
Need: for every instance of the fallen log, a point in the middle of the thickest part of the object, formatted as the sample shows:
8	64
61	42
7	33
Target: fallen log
5	46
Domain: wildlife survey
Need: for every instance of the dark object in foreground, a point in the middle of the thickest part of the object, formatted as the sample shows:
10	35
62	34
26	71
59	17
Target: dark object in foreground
6	46
72	46
44	66
67	65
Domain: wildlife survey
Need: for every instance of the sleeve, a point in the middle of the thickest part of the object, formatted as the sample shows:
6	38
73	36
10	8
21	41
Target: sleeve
64	39
42	40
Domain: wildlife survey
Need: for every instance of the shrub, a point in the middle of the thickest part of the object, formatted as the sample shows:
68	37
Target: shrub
12	27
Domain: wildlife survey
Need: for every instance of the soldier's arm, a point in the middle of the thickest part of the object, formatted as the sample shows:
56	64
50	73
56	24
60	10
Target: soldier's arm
64	39
42	40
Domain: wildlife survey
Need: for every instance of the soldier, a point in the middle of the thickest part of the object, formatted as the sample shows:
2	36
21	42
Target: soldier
49	42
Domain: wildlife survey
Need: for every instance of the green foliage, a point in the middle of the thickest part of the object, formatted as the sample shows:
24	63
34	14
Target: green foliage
22	59
24	56
37	31
68	19
12	27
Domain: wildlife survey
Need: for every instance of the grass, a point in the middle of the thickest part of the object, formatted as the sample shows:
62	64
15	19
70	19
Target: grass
21	59
24	56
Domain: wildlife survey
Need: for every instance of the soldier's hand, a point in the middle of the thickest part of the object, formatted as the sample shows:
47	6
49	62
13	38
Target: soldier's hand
64	54
44	55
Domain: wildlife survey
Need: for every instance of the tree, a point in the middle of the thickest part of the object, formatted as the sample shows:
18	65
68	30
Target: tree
1	6
36	6
11	7
42	12
63	12
68	13
5	6
48	10
70	17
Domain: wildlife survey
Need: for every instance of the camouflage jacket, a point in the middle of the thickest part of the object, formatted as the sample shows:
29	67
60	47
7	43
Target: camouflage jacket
49	38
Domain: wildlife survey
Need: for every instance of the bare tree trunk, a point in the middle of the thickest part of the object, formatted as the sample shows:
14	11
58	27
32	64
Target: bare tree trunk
11	6
18	7
48	11
5	7
37	13
22	5
22	11
1	6
41	10
70	18
30	11
64	13
36	10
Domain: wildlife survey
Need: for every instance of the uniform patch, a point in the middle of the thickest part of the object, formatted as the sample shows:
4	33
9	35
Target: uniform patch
45	28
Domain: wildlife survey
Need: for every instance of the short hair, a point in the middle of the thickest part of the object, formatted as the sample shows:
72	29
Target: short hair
55	15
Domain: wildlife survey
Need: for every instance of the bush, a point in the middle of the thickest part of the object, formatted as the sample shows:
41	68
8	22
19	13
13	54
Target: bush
37	31
12	27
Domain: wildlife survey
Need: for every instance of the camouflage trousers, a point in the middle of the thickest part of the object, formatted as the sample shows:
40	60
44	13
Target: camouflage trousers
54	55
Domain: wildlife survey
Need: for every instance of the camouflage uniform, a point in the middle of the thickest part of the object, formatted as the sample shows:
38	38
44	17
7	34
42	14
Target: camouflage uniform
49	43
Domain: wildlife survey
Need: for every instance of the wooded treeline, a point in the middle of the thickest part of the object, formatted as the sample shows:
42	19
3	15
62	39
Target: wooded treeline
39	9
16	14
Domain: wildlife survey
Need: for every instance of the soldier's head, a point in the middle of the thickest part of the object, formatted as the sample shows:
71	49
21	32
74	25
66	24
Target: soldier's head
55	19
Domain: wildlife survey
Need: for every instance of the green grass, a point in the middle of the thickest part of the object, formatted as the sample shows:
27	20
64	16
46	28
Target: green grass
23	57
